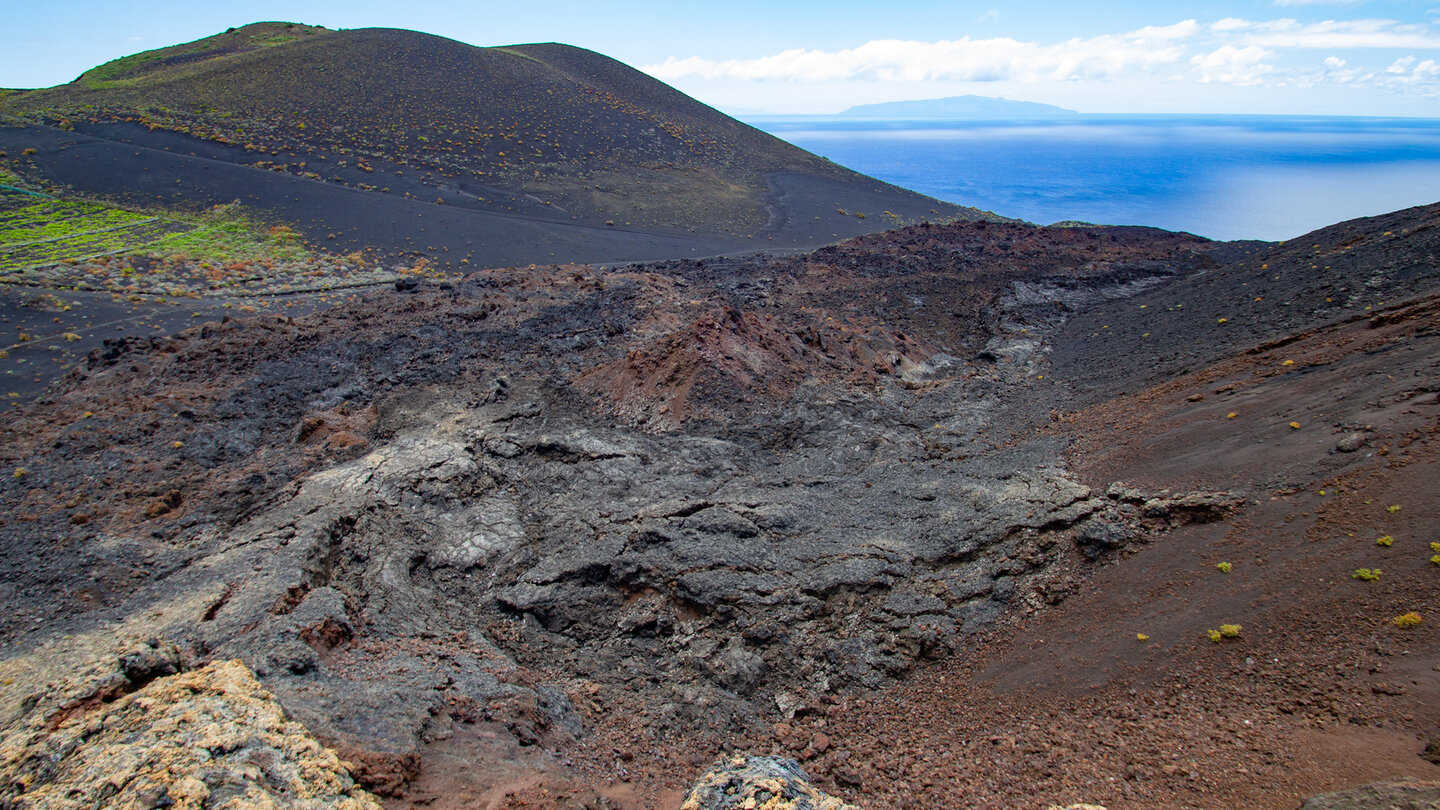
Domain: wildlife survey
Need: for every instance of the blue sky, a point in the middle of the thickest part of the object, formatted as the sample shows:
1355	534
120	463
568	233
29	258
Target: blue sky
1365	57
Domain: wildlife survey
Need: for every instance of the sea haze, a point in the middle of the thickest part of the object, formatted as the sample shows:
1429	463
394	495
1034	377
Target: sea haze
1223	177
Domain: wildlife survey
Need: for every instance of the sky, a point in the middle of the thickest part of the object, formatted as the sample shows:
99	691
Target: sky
1293	57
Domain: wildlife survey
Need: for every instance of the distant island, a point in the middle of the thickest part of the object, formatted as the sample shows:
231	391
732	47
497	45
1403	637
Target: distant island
956	107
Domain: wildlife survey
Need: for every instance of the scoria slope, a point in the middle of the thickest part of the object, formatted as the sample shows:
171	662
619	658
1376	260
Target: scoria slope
408	142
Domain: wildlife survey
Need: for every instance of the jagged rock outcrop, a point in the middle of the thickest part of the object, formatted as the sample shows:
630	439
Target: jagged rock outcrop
758	783
547	540
507	554
209	737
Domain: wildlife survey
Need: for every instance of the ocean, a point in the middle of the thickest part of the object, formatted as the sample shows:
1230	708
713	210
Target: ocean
1222	177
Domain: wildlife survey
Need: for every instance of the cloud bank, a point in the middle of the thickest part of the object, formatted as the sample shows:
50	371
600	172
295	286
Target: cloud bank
1230	51
963	59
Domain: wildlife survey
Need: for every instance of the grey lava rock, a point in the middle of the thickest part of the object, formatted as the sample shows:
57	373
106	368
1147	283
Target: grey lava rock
1400	795
774	783
1351	443
1100	536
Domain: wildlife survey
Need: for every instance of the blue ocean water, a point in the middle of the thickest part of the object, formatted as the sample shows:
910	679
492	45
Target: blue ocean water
1224	177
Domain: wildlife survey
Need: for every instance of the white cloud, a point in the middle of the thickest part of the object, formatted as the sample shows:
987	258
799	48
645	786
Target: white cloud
1232	51
1231	24
1338	71
964	59
1401	65
990	15
1409	70
1231	65
1337	34
1406	75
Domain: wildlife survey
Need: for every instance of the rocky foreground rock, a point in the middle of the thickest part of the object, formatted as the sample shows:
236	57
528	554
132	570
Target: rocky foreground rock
774	783
207	738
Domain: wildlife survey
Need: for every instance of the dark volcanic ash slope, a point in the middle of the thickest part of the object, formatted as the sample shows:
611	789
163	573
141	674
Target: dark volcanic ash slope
625	518
546	141
1345	270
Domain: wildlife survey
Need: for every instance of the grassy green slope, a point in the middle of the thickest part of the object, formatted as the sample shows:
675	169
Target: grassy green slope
165	64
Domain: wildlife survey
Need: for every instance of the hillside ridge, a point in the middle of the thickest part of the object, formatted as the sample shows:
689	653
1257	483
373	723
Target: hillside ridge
546	130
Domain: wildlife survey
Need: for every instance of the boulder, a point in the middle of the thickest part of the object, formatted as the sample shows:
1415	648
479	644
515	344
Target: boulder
209	737
772	783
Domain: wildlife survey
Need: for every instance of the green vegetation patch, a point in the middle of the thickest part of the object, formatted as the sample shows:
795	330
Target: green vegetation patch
514	52
46	220
9	178
229	234
37	233
114	72
133	70
16	209
86	244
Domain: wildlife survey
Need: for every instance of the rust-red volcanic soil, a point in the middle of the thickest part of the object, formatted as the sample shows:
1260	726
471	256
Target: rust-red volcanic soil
1321	690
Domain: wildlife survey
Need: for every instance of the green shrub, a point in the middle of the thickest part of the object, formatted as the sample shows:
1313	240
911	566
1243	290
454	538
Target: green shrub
1225	631
1407	620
